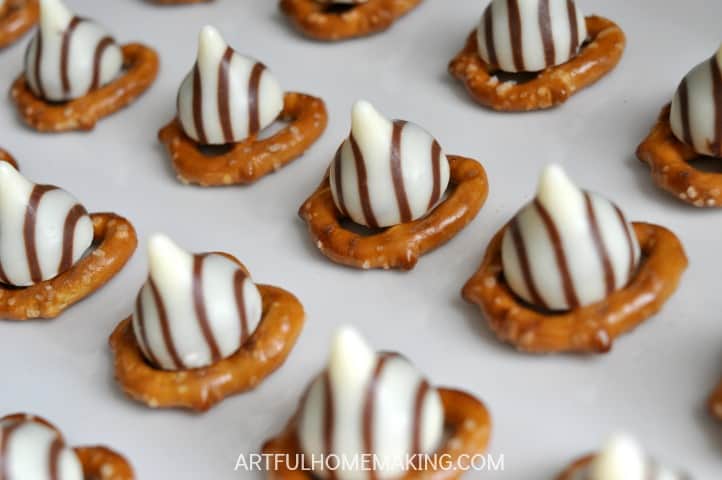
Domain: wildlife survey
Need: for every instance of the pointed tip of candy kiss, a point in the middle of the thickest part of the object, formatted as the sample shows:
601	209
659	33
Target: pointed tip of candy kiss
165	254
365	117
555	187
351	356
12	184
211	44
620	457
54	13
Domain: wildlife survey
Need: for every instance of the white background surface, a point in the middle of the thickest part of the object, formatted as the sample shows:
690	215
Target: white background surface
546	410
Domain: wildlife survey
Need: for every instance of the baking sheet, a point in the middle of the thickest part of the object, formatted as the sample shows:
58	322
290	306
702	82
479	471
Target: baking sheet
546	410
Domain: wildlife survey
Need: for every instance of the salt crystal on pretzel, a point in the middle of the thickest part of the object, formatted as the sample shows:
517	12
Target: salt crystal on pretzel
367	403
621	458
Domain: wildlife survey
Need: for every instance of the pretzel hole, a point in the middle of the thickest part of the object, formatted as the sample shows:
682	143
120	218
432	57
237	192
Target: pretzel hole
707	164
338	8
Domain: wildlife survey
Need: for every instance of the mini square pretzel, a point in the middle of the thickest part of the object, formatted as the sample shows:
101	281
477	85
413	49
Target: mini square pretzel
399	246
715	402
16	18
466	420
588	329
140	65
114	242
6	157
549	87
333	22
253	158
97	461
201	388
671	164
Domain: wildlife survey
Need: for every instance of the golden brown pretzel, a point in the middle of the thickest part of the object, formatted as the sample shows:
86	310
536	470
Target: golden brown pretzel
251	159
466	419
323	22
576	468
201	388
16	18
399	246
549	87
140	70
6	157
670	161
114	242
715	402
592	328
99	463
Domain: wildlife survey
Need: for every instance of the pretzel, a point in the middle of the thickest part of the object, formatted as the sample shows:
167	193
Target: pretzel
98	462
715	402
671	163
399	246
340	22
466	420
549	87
114	242
16	18
6	157
141	68
592	328
254	158
201	388
577	467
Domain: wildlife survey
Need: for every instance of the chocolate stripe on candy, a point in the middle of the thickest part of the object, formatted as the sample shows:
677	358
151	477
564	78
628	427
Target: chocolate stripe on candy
489	34
3	276
143	330
224	107
421	391
5	434
684	111
64	52
630	241
363	188
436	168
329	420
38	62
545	26
716	145
397	173
561	258
56	449
198	105
338	173
104	43
254	119
573	27
165	327
523	257
239	279
599	244
368	407
516	33
199	306
29	225
71	220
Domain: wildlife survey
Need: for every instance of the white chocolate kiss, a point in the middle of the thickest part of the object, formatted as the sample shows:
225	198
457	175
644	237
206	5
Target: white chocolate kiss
31	450
622	458
549	33
43	230
385	393
236	97
387	172
694	107
194	310
568	248
69	56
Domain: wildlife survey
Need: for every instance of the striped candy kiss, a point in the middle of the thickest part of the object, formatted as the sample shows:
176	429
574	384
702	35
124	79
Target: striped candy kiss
30	450
367	403
568	248
622	458
530	35
69	56
387	172
696	115
226	98
194	310
43	230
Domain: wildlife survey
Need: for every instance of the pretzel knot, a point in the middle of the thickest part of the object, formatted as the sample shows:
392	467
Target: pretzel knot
16	18
114	242
549	87
591	328
6	157
201	388
333	22
247	161
466	420
98	462
140	65
671	163
399	246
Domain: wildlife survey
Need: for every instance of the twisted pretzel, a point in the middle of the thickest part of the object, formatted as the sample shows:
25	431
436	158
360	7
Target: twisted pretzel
592	328
670	162
549	87
98	462
114	242
399	246
16	18
331	23
251	159
201	388
141	68
466	420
